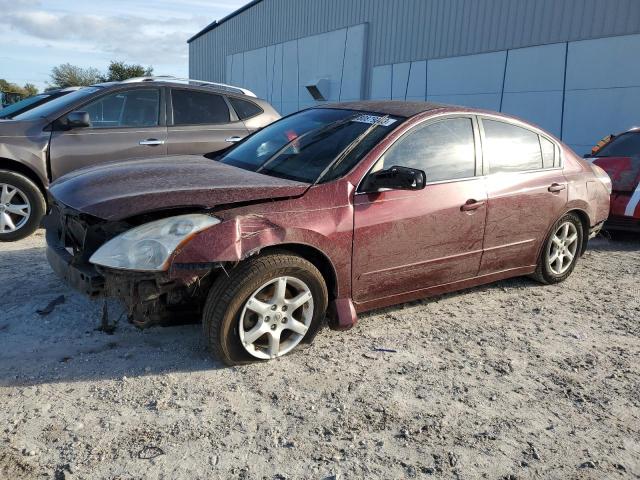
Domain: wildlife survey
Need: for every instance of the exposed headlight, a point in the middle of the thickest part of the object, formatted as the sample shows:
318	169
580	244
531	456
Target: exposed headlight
147	248
603	176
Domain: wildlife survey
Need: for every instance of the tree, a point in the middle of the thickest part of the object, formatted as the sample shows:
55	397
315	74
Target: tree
67	75
8	87
21	92
119	71
30	89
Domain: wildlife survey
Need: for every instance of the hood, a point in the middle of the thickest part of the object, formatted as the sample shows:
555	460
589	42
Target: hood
623	171
116	191
14	128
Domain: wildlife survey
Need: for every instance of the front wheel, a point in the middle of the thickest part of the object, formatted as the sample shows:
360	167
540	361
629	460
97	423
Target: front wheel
264	308
560	251
22	206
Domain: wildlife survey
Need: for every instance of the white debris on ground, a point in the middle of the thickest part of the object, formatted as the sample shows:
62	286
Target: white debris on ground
508	381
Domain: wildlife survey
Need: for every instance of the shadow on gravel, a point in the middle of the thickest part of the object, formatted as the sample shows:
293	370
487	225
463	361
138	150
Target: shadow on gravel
617	241
65	344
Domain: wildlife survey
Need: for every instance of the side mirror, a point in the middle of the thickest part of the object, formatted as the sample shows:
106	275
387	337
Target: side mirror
78	120
396	178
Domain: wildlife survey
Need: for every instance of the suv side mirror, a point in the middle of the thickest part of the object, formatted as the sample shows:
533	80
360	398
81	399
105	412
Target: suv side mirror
396	178
78	120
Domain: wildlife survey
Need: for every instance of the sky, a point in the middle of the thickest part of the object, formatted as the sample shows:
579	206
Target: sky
36	35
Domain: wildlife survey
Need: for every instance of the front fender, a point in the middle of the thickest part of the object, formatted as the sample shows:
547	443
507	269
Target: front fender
240	237
29	150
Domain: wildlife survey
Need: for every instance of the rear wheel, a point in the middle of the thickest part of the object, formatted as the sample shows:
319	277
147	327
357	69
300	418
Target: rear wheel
560	251
265	308
22	206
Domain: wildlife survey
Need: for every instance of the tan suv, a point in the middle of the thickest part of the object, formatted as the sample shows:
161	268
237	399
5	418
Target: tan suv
134	119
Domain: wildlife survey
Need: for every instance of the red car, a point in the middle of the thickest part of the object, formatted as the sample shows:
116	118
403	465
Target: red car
619	156
336	209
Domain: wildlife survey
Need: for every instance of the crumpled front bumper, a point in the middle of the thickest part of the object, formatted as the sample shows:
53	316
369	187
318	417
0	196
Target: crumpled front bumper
83	277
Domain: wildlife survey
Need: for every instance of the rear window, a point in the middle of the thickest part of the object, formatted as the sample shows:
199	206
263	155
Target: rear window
548	153
625	145
198	108
244	108
510	148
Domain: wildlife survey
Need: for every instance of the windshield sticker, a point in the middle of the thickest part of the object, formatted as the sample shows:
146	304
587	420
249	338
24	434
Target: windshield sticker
371	119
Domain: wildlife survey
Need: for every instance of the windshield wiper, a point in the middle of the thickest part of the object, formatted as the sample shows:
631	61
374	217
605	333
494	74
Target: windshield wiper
351	147
315	132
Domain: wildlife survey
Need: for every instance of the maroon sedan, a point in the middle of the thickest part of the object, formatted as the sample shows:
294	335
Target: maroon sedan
334	210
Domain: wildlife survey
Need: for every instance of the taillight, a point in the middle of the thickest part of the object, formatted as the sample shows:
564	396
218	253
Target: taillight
603	177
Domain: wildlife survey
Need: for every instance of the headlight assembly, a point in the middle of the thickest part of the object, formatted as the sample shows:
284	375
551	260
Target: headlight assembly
147	248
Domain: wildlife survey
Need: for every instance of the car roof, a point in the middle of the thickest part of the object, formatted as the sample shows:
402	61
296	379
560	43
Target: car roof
389	107
171	81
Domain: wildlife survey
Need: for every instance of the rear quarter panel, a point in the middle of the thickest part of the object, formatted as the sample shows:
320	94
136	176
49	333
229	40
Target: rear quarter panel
585	191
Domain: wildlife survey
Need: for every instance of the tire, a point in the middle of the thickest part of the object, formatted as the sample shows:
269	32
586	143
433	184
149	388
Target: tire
550	269
255	279
19	191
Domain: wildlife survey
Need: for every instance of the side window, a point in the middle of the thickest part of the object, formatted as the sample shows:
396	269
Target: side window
548	153
509	148
244	109
444	150
132	108
198	108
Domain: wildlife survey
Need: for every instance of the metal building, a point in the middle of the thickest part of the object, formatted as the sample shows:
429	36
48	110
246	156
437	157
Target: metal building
571	66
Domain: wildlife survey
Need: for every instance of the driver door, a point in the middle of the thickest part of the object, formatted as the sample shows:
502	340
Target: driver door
406	241
124	124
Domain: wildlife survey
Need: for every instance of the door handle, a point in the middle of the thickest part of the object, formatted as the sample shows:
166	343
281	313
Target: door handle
556	187
151	142
471	205
233	139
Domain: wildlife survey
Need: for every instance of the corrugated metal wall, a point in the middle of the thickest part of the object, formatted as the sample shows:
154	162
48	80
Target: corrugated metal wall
406	30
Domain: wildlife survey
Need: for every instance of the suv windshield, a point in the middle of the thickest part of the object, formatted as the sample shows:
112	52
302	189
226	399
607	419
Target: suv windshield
625	145
6	112
319	144
52	107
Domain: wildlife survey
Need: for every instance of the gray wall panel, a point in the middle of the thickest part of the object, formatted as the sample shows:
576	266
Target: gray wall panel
409	30
381	82
445	50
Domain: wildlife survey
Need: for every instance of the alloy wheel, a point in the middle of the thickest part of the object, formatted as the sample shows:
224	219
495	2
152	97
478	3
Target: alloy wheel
15	208
562	248
276	317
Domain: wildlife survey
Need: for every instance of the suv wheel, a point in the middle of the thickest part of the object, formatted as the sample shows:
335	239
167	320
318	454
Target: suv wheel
264	308
560	251
22	206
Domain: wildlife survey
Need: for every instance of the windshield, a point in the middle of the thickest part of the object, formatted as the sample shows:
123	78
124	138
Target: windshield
22	104
52	107
319	144
625	145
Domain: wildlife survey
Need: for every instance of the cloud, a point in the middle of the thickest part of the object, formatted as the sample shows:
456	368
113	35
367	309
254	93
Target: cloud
133	37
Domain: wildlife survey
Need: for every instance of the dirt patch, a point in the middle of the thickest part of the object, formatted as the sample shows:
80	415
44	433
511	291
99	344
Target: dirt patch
511	380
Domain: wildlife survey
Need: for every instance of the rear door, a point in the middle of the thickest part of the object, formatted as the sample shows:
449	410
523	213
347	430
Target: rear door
527	193
410	240
201	122
124	124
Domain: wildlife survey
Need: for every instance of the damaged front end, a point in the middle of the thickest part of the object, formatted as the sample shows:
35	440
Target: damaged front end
154	297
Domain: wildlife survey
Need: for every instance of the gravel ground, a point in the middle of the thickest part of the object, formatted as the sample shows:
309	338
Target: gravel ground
508	381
